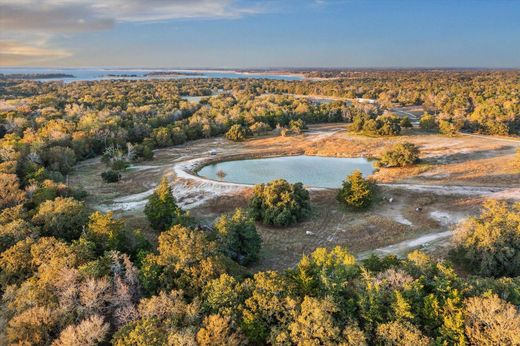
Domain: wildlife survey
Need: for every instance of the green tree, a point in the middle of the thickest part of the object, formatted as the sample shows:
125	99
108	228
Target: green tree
239	237
356	191
280	203
106	232
428	122
61	217
399	155
237	133
161	210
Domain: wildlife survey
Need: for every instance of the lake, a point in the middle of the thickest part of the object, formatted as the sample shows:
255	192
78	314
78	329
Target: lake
314	171
90	74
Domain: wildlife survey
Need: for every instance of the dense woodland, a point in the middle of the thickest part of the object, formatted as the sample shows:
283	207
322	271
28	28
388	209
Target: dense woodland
73	276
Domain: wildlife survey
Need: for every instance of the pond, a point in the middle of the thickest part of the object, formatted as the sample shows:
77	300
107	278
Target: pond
314	171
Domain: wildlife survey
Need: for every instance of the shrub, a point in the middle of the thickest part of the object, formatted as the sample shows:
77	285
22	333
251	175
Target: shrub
259	128
161	210
111	176
405	122
238	236
449	127
399	155
120	165
490	244
237	133
297	126
280	203
428	123
356	191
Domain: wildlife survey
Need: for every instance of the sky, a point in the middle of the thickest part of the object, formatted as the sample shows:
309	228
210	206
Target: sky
256	34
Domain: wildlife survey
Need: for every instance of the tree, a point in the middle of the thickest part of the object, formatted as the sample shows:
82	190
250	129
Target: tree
405	122
296	126
490	243
239	237
314	323
356	191
187	260
491	321
428	122
105	232
399	155
33	326
10	193
219	331
237	133
162	210
61	159
398	334
260	128
111	176
61	217
449	127
280	203
89	332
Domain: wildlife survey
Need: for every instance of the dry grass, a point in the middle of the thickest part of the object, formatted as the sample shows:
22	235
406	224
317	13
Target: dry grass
457	161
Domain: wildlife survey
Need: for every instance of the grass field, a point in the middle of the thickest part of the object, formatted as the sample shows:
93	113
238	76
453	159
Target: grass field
458	163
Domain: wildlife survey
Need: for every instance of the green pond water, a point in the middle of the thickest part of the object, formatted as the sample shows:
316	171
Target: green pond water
314	171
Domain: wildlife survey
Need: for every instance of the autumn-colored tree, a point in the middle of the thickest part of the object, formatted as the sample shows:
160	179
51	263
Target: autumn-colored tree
10	193
490	243
105	231
398	334
219	331
491	321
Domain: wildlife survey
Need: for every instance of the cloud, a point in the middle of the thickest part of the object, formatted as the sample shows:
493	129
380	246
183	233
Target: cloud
15	53
64	16
24	21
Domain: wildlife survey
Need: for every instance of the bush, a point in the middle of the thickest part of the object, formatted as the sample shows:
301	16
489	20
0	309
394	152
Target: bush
259	128
297	126
490	244
237	133
111	176
280	203
449	127
356	191
399	155
428	123
238	236
161	210
120	165
405	122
